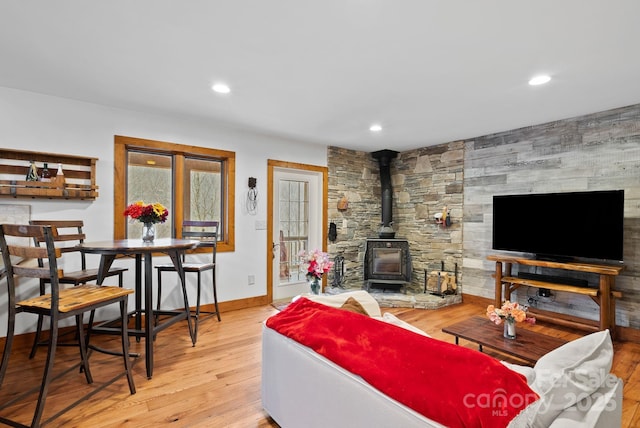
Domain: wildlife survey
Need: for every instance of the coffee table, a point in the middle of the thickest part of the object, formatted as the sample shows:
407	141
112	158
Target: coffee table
528	345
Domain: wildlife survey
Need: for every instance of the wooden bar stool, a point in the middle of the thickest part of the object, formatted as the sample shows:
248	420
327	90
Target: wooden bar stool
57	305
67	234
207	233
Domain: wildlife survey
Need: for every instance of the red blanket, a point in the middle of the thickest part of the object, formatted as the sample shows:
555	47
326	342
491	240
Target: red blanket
450	384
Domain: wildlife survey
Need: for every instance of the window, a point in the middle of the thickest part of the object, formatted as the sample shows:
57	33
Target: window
194	183
149	177
203	185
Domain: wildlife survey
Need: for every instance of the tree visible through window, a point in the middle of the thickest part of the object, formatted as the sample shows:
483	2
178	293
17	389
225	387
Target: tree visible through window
149	180
194	183
203	189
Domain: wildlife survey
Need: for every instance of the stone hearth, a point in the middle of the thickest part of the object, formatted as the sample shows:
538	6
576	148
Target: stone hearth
401	300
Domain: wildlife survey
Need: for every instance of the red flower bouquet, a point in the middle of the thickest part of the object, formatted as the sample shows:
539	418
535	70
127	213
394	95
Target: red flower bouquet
147	213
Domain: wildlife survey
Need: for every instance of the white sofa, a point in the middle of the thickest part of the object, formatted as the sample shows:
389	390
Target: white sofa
301	388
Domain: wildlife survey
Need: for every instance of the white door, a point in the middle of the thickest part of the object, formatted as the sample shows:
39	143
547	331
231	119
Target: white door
297	225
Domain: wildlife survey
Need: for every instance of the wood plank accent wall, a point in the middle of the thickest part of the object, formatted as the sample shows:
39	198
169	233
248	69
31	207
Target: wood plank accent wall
595	152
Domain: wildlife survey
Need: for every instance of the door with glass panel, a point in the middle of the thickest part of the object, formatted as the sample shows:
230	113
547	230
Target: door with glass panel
297	225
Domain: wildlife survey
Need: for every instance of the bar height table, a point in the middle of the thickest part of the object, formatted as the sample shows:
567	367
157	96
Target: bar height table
174	248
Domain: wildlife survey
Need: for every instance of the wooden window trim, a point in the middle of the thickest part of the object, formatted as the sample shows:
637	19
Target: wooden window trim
122	144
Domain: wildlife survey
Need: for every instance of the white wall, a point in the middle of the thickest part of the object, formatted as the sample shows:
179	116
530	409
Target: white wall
36	122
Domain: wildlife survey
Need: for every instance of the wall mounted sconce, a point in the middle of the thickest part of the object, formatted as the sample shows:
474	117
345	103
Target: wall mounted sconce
252	196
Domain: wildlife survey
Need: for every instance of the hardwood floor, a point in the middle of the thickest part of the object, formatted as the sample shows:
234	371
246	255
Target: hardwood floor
217	382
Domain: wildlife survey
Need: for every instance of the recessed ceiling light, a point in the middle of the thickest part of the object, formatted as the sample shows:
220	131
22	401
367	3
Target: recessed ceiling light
539	80
221	88
375	127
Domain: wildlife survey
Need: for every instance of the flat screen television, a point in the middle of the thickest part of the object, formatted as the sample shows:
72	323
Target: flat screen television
561	226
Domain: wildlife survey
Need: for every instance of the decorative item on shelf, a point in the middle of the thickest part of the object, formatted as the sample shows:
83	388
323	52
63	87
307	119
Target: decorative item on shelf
60	176
318	264
32	173
45	174
148	215
443	218
511	313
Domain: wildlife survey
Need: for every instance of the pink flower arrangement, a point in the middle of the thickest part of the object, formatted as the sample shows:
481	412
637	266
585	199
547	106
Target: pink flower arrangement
318	263
510	311
147	213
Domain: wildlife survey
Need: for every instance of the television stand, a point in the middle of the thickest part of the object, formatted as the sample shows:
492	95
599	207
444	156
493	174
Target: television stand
554	279
604	295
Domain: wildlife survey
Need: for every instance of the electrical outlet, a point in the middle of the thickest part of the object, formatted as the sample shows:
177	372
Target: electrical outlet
252	279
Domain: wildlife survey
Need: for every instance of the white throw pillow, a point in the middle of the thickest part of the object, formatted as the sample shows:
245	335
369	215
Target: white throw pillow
568	374
525	371
368	302
392	319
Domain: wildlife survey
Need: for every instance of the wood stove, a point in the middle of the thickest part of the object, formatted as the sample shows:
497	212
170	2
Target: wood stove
387	264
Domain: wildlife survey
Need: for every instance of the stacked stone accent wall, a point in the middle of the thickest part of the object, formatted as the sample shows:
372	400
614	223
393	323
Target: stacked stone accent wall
353	175
424	181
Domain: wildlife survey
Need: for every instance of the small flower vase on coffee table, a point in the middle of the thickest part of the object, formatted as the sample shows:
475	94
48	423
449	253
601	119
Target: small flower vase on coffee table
148	232
314	285
510	329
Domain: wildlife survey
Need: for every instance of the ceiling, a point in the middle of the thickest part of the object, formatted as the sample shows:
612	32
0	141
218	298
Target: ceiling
323	71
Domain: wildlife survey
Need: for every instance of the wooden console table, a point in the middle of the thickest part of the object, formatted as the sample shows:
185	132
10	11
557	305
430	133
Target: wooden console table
604	295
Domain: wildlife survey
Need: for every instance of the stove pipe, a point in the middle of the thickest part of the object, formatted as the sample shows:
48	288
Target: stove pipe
384	160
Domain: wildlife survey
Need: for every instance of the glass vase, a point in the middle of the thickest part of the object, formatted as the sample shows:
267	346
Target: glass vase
510	329
314	285
148	232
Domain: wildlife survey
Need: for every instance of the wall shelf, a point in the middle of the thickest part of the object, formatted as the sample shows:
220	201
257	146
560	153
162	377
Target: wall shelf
79	174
